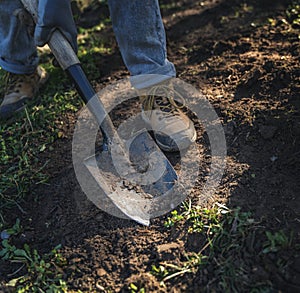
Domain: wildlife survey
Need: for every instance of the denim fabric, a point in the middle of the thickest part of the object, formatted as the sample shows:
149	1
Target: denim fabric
141	36
137	26
17	49
50	18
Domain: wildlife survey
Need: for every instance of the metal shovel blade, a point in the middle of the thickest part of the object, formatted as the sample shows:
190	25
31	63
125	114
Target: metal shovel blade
132	192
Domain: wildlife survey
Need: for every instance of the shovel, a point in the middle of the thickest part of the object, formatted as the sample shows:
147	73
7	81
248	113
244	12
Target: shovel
134	155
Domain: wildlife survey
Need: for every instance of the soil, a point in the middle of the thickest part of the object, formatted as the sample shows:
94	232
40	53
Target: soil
244	56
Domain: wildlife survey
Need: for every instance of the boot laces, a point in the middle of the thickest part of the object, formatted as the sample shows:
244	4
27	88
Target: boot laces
14	81
162	97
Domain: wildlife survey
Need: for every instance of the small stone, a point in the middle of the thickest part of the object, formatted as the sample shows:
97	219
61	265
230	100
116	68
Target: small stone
273	158
168	246
101	272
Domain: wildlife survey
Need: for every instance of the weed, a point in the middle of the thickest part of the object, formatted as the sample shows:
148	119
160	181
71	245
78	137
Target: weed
133	288
171	221
14	230
226	235
276	241
293	14
159	271
42	271
191	265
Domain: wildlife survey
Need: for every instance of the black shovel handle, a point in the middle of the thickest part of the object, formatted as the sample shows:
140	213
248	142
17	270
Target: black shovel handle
68	60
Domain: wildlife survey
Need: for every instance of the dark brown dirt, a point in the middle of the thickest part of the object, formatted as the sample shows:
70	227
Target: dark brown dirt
248	67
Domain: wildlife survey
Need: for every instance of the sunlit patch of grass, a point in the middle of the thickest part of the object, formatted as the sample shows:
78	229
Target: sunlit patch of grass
226	236
32	132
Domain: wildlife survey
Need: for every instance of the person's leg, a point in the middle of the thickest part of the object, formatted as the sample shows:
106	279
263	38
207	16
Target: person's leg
140	34
141	37
18	57
17	49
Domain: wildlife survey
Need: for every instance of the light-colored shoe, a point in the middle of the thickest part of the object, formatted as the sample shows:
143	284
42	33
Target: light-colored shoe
172	128
19	88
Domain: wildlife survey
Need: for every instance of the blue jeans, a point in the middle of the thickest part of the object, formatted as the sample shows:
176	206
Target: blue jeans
137	26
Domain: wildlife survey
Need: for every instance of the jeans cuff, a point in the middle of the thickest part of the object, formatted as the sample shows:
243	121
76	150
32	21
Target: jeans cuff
18	68
154	77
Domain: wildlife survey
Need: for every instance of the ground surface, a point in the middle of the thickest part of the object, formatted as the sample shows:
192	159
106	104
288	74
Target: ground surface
244	56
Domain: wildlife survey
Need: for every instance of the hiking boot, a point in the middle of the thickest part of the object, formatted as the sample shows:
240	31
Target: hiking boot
173	130
19	89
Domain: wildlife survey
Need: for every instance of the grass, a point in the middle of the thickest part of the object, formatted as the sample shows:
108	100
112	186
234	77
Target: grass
229	242
22	142
42	272
32	133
